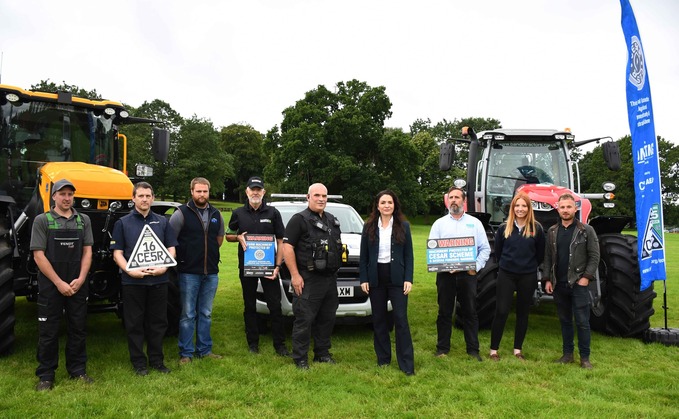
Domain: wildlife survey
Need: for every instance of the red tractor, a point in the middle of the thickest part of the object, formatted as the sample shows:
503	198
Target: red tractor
537	162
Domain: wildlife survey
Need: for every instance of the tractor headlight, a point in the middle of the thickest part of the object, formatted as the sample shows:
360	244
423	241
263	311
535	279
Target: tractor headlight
608	186
85	203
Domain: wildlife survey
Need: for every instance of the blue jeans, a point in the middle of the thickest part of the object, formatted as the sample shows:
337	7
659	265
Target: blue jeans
573	302
197	292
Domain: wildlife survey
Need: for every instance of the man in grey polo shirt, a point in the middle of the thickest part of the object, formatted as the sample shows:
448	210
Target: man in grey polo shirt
61	242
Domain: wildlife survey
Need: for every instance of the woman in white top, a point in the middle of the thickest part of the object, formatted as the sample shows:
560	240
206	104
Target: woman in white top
386	272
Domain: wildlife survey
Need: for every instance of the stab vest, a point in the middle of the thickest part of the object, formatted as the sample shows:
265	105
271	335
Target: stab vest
320	249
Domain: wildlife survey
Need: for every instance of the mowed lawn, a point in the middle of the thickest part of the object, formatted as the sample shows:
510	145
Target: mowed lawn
629	379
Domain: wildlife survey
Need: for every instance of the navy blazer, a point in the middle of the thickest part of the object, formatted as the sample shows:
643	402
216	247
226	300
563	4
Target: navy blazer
401	258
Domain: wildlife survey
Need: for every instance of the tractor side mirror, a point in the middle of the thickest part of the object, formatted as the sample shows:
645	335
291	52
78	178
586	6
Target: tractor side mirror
446	156
161	144
611	152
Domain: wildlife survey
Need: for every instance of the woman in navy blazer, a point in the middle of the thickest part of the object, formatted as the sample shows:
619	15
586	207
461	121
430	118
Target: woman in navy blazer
386	272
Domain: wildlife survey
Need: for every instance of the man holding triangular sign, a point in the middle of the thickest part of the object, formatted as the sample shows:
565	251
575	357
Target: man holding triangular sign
143	245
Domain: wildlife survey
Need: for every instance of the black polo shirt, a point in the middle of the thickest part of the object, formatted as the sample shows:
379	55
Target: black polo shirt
264	220
126	232
564	237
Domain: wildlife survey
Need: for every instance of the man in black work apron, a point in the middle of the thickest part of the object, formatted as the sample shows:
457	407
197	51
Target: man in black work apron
61	242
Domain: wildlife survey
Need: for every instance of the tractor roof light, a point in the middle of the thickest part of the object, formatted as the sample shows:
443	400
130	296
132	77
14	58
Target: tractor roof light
460	183
124	114
110	111
12	97
560	136
608	186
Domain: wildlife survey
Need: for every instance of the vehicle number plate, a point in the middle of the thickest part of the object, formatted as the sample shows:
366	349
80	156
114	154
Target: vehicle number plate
345	291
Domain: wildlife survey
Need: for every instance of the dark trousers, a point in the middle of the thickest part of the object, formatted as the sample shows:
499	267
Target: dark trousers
272	296
462	285
507	283
570	303
379	296
315	312
145	316
51	305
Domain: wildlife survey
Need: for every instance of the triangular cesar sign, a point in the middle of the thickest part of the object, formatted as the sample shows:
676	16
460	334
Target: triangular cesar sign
149	252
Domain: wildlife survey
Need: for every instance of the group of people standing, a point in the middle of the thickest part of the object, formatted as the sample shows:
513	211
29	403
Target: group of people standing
569	256
312	249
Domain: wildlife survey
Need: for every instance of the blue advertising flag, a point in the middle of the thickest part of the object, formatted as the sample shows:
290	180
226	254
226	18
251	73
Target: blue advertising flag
651	240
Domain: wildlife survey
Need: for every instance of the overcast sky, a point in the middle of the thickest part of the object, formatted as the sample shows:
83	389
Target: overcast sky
529	63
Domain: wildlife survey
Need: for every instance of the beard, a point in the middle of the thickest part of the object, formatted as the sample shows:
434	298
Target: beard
567	216
455	210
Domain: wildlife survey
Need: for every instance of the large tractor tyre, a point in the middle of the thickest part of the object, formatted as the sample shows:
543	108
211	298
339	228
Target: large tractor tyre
7	316
623	310
486	297
174	307
668	337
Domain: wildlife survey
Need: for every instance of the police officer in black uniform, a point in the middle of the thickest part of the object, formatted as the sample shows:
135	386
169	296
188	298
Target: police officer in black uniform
312	249
256	217
61	242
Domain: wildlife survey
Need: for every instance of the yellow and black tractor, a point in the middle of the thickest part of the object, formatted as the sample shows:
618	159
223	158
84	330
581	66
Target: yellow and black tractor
45	137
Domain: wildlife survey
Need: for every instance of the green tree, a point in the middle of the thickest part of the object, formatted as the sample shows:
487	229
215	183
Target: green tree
51	87
199	153
428	137
592	176
245	144
395	166
139	141
329	137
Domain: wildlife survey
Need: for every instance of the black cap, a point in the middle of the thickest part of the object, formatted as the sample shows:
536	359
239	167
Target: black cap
255	182
61	184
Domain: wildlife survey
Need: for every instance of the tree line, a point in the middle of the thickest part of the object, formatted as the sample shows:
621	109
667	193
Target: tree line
338	137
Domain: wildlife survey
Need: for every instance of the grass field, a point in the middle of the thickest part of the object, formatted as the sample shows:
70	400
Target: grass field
630	378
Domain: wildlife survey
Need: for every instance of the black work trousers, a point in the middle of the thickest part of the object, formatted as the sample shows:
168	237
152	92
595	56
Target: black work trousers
507	283
379	297
51	305
272	296
145	316
315	312
462	285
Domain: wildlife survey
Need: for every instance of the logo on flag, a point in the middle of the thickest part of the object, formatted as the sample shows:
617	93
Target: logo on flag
637	71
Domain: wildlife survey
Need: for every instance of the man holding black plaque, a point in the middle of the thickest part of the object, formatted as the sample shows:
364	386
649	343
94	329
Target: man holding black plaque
259	229
460	280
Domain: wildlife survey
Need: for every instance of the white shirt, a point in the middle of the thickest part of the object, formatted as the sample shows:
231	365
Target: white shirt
448	227
384	249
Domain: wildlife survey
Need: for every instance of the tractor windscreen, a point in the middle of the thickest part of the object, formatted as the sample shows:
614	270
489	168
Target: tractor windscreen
37	132
513	163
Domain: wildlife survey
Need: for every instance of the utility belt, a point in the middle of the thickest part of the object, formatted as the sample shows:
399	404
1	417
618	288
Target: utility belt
327	256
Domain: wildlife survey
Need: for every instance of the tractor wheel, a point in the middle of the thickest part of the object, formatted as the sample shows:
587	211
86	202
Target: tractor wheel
668	337
623	310
174	307
486	297
7	316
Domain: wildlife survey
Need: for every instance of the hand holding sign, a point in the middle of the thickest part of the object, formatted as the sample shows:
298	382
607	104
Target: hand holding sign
150	254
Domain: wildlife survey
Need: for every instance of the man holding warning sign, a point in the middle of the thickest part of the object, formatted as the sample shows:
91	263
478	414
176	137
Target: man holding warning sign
467	236
143	245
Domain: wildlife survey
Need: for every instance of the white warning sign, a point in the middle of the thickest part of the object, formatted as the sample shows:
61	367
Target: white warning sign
149	252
